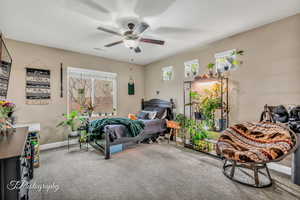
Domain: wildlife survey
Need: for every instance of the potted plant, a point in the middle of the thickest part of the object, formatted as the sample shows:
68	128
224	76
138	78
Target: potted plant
209	105
210	68
181	119
196	132
194	69
210	102
72	121
6	110
114	111
89	107
196	102
169	75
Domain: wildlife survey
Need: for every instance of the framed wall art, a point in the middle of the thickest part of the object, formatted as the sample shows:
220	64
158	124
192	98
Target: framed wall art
38	86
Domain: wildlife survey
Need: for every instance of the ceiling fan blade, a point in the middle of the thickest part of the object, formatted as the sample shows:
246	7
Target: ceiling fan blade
146	8
137	50
140	28
109	31
152	41
114	43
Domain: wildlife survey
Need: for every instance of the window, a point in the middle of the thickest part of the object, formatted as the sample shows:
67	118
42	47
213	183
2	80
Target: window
167	73
88	88
191	68
225	61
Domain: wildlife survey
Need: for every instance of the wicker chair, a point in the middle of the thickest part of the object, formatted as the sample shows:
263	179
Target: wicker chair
248	147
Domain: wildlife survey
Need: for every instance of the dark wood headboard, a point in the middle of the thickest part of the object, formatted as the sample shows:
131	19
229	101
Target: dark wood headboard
169	105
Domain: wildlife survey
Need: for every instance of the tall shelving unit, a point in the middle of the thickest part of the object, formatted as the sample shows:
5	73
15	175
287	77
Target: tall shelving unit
209	144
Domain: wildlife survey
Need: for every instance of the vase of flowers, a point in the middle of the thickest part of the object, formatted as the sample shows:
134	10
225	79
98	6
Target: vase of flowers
6	110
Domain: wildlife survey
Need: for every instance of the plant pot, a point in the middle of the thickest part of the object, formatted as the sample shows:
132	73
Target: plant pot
7	131
179	139
10	114
74	133
210	73
222	124
187	141
198	115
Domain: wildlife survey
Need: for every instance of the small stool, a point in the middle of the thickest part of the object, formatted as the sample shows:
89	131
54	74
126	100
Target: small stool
175	127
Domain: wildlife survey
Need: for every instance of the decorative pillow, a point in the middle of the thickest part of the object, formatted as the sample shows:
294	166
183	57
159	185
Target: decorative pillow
143	115
151	114
295	113
161	112
280	114
164	115
132	116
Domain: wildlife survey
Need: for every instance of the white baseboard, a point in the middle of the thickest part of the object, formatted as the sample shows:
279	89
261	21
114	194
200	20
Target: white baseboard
57	144
280	168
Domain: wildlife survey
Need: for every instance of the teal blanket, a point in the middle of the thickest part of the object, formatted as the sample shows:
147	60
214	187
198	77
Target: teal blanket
135	127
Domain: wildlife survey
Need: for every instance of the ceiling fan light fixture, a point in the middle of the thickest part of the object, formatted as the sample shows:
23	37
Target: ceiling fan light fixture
131	44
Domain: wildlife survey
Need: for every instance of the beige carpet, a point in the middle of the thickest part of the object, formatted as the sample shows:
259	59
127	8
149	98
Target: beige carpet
147	172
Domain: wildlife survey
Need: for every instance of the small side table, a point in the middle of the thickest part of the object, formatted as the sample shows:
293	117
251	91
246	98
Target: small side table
175	127
78	135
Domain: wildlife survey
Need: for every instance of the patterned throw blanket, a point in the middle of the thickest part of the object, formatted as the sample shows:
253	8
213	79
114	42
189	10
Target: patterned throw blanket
135	127
255	142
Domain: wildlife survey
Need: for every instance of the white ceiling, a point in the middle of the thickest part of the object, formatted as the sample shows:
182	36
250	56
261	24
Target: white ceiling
183	24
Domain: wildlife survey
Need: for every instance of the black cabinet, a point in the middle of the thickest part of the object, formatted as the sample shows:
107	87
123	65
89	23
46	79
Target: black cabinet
16	165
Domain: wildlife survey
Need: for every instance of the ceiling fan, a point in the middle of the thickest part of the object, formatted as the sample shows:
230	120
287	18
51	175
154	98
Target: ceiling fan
131	16
132	37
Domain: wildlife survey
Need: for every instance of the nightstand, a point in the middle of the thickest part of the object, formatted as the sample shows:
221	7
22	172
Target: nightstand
175	127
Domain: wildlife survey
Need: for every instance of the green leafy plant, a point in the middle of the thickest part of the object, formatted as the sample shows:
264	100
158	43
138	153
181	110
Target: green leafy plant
194	68
209	105
196	100
180	118
196	129
210	66
238	52
72	120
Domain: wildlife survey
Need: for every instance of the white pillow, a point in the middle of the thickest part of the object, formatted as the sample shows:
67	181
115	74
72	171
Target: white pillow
164	115
151	114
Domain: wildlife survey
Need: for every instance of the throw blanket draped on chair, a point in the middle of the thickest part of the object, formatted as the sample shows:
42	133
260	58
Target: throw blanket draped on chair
135	127
255	142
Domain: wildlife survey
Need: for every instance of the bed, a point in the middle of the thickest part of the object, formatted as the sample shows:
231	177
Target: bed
116	138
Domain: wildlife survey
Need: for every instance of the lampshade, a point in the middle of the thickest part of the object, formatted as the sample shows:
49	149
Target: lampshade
131	43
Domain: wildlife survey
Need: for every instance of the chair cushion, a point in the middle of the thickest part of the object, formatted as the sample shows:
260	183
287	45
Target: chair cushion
256	142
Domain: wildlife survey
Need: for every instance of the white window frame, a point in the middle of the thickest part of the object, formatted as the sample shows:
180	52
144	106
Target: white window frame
168	69
92	74
224	54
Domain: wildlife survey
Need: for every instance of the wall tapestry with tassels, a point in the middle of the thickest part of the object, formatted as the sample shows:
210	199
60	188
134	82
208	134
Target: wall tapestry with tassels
131	86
